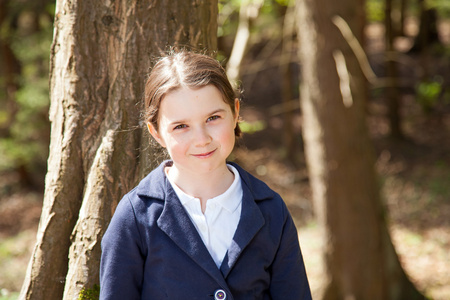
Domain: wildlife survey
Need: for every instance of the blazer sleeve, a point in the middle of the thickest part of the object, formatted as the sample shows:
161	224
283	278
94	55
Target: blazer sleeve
289	279
122	259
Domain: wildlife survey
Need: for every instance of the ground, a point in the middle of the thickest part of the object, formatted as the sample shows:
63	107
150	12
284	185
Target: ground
414	177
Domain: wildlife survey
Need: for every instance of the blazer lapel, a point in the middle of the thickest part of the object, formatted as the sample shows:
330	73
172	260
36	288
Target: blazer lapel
175	222
250	223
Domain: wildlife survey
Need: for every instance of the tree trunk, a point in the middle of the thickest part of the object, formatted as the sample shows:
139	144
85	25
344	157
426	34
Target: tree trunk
428	33
402	21
98	151
248	12
392	92
360	260
286	72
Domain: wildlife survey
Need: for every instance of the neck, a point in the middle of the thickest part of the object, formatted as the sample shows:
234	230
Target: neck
202	185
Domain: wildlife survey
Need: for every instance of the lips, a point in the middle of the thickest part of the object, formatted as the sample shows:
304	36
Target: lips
204	155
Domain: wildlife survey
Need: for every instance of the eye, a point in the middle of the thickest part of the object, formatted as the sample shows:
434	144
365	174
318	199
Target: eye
212	118
181	126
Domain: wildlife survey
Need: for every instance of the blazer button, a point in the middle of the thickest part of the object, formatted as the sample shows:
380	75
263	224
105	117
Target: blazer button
220	295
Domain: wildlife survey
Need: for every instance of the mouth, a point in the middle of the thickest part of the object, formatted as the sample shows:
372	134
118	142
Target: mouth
204	155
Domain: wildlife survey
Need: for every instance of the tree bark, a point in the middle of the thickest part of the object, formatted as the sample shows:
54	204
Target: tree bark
100	56
360	261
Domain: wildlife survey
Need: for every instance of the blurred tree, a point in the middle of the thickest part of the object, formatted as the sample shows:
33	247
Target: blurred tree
401	19
359	257
428	32
99	59
392	88
249	10
425	42
264	33
25	38
287	85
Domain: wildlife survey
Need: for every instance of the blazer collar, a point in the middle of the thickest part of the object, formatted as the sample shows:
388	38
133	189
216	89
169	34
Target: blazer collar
154	184
175	222
250	223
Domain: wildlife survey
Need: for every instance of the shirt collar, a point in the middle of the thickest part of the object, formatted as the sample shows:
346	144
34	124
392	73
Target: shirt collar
230	199
155	184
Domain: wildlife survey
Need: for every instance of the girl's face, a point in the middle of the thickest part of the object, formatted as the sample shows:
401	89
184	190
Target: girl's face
196	127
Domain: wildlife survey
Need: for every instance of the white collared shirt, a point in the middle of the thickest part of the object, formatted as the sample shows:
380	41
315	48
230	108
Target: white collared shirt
220	220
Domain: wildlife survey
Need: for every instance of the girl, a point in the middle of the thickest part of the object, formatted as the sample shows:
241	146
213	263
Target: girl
198	227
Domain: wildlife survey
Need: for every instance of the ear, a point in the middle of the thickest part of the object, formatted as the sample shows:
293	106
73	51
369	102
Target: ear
236	110
155	134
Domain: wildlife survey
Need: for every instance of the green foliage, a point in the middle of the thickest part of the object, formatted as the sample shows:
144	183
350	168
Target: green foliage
442	7
90	294
253	127
5	295
285	2
267	21
375	10
28	33
228	17
439	187
428	93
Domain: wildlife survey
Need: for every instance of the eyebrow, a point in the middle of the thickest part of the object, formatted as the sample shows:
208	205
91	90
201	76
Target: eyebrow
174	123
216	111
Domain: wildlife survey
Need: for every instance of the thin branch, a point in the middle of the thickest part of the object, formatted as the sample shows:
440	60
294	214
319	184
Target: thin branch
356	47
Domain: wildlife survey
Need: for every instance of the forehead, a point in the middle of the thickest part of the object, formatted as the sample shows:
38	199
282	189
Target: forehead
185	102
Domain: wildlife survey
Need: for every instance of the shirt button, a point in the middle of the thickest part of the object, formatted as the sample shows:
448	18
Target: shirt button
220	295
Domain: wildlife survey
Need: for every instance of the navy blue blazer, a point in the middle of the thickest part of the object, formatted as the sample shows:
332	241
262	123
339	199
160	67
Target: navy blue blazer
151	249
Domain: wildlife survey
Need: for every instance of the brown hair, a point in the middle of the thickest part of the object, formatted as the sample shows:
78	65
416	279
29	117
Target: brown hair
185	69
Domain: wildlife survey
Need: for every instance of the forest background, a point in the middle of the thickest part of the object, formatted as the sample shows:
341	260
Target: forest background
413	164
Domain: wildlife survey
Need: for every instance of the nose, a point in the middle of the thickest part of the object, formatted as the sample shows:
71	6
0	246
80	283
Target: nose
202	137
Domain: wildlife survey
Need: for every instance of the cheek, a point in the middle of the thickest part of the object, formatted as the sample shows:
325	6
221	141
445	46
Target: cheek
227	136
177	146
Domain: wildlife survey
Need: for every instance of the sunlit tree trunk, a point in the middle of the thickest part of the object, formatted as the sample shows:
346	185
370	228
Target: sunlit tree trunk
359	258
248	11
99	60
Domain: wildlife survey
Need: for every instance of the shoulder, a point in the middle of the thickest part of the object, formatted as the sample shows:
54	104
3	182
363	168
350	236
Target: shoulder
146	198
154	185
258	188
269	201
